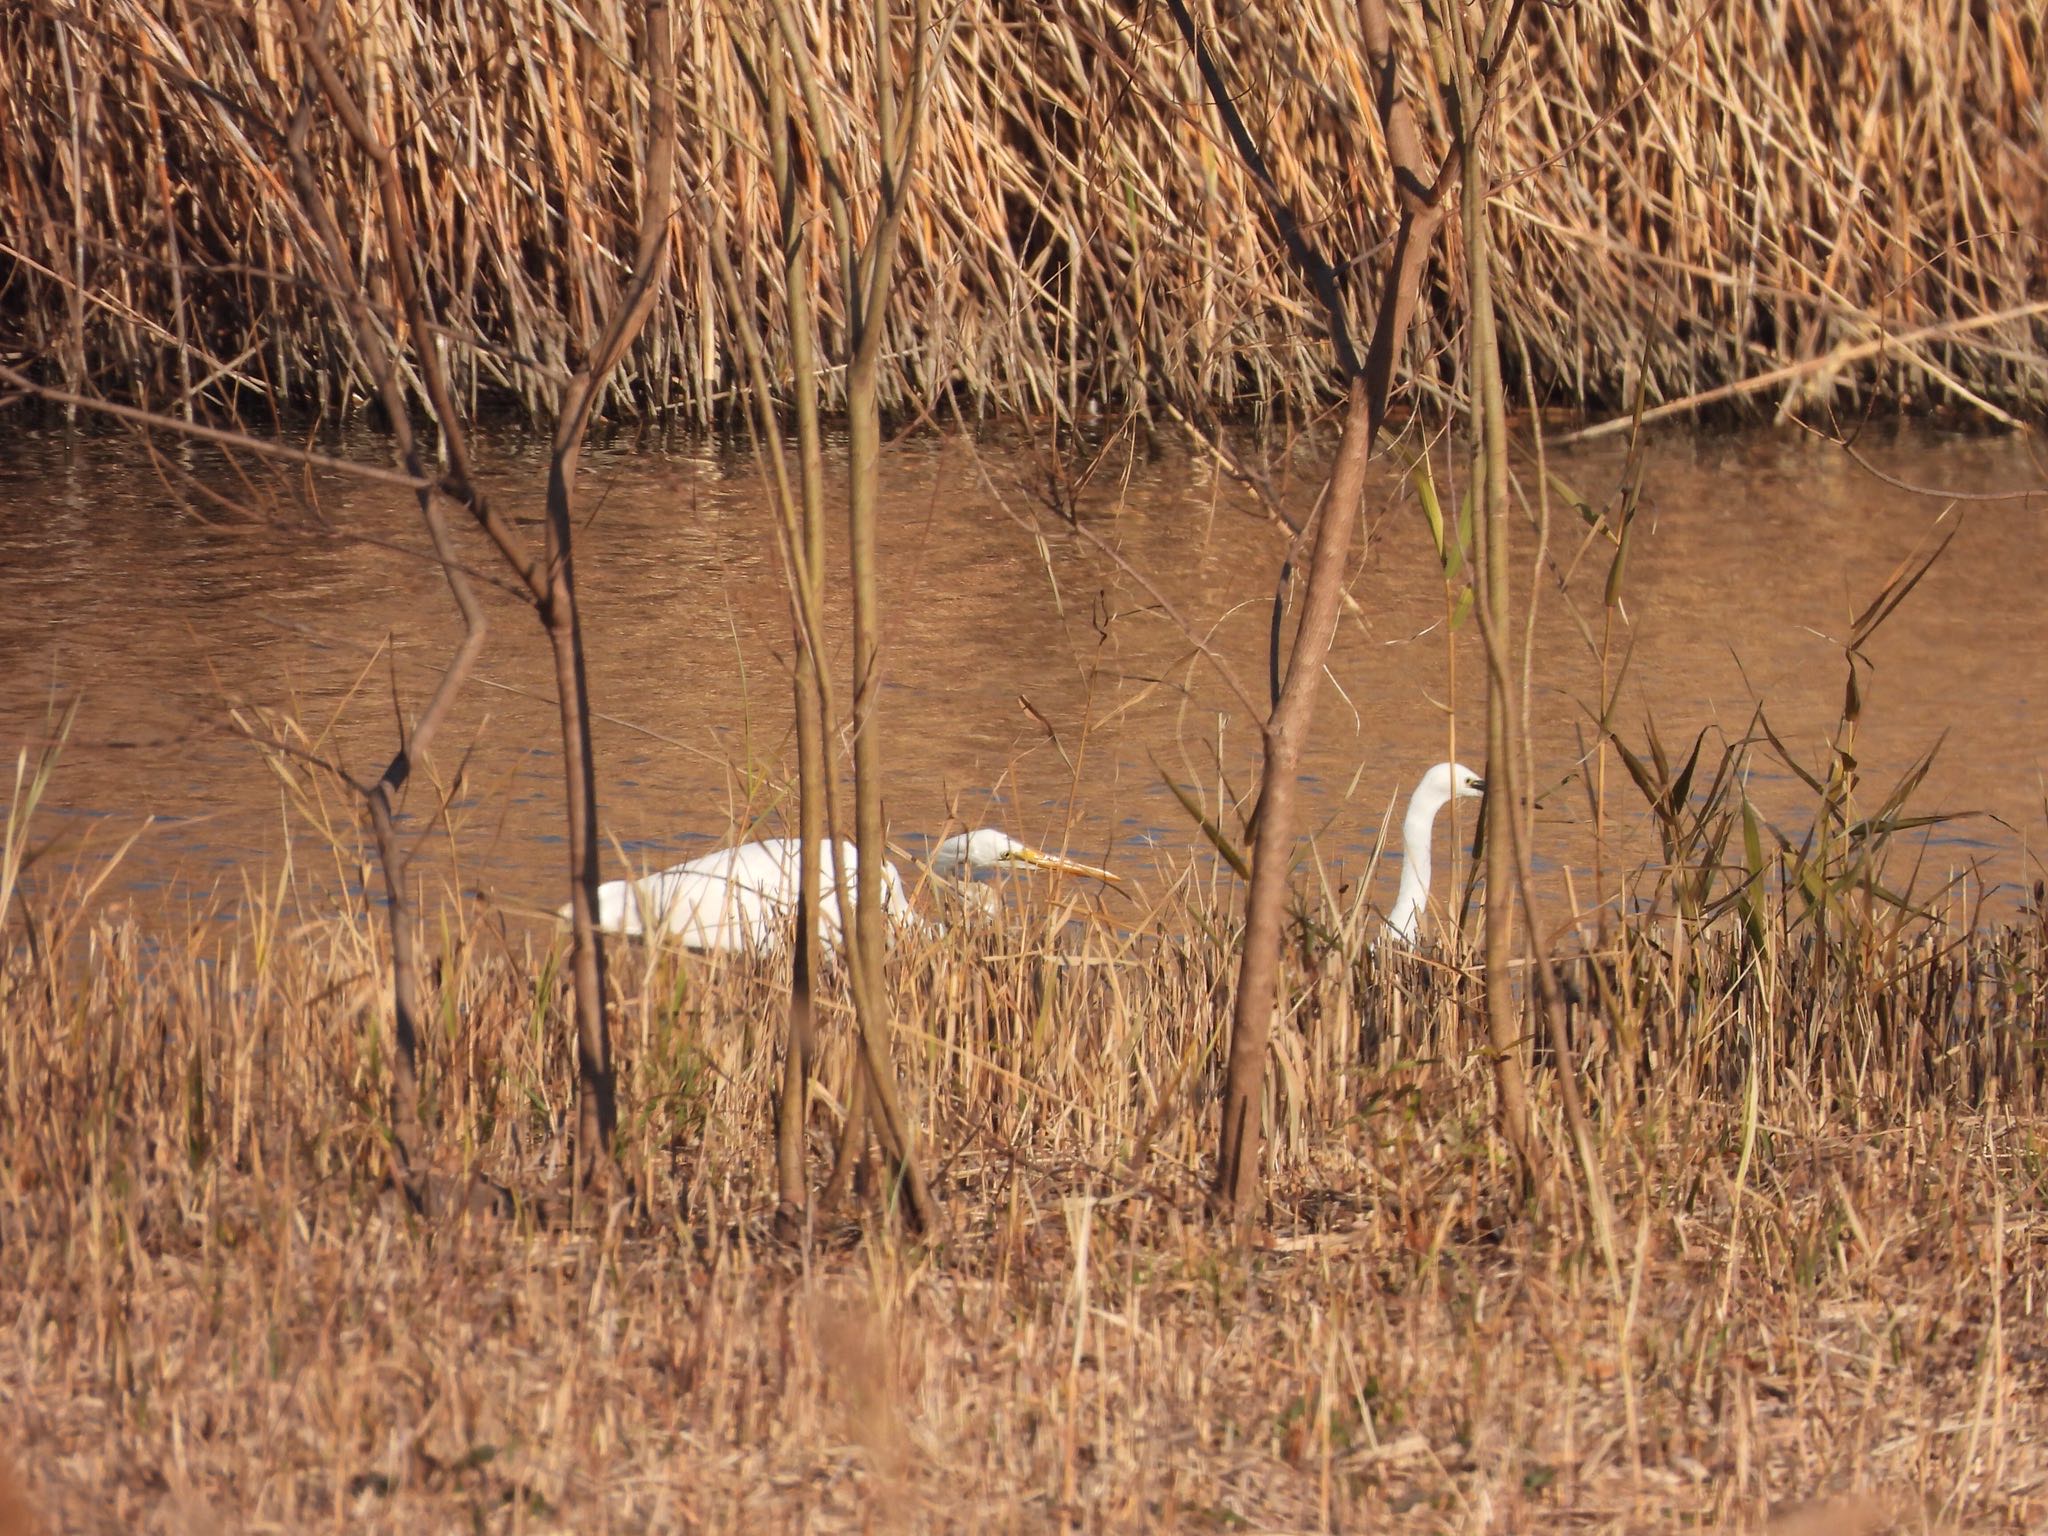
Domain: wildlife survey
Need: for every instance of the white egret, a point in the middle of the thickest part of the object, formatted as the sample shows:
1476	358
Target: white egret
745	897
1439	787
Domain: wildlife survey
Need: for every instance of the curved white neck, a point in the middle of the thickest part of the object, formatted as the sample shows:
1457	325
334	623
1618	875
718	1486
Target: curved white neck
1410	901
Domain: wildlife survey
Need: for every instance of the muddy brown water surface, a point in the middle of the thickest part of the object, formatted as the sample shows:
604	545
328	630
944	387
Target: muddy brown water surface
1030	683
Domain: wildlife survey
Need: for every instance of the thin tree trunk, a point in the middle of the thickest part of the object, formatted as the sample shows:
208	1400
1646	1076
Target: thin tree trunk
853	1139
807	568
378	349
1503	1023
1419	189
869	267
395	859
394	333
813	763
406	1010
596	1097
1512	794
870	919
801	541
1240	1154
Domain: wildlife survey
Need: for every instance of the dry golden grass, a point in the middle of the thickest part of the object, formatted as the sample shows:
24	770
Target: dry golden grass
1825	1304
1696	194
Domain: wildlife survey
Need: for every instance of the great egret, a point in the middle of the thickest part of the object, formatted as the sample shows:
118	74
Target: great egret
1439	787
745	897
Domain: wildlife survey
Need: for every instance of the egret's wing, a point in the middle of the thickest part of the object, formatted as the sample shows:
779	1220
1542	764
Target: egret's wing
745	897
716	901
738	898
723	900
691	906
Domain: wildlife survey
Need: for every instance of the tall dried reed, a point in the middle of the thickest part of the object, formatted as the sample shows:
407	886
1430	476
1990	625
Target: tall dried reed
1835	201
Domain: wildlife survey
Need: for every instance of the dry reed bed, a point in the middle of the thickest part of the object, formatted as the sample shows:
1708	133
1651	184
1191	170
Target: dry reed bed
1696	195
1830	1231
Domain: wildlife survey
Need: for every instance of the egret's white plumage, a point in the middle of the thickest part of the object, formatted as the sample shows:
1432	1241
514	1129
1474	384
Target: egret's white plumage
745	897
737	898
1439	787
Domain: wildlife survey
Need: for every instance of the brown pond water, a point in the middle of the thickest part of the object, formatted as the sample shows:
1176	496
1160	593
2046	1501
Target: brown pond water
1030	682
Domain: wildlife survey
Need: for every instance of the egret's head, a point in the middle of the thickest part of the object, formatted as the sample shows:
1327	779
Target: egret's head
966	854
1447	782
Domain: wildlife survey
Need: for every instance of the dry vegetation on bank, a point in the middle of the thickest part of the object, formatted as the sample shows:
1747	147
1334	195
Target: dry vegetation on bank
1789	1252
1822	1130
1703	193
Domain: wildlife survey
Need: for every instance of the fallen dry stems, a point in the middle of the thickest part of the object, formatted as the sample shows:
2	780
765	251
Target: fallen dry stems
1726	192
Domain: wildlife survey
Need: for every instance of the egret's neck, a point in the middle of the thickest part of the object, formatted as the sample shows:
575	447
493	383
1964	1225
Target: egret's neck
1413	896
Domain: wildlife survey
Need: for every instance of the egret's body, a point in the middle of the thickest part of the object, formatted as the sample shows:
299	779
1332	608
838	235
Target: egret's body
738	898
746	897
1439	787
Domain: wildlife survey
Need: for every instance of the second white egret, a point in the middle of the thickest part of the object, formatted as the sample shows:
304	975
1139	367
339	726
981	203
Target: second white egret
1439	787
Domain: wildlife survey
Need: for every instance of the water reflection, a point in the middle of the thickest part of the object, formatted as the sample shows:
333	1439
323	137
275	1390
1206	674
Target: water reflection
1030	684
